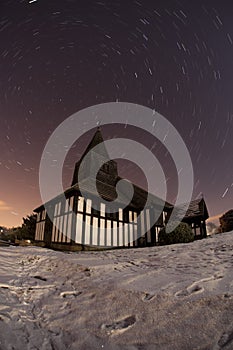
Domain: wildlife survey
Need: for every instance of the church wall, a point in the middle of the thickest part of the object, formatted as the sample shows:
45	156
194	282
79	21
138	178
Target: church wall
79	221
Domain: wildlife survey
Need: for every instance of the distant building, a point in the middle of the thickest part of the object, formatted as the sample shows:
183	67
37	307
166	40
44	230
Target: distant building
76	221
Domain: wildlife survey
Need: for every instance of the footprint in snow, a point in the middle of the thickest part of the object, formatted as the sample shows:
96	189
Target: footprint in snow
40	278
226	340
193	289
70	294
196	287
119	326
148	297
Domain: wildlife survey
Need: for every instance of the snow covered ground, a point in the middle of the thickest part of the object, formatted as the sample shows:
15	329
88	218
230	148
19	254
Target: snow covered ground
171	297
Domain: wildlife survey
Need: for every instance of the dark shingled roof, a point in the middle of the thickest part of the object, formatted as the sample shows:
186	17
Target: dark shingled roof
196	208
108	192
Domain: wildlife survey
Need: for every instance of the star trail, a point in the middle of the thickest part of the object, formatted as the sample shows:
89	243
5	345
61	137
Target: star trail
59	57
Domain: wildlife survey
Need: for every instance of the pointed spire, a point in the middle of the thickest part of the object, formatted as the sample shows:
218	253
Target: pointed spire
101	153
96	140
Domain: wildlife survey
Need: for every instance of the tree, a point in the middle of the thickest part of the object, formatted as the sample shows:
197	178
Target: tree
27	231
226	221
181	234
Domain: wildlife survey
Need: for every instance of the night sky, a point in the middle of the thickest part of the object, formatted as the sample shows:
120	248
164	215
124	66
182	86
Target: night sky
58	57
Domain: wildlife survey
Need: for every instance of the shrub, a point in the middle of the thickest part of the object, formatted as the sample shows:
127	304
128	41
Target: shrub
181	234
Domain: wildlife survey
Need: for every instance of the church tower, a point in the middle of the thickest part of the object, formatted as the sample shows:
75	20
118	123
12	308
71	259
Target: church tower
108	172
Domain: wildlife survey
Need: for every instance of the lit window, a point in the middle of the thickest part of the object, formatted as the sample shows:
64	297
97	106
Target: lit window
130	216
59	208
79	228
80	203
115	234
120	214
102	209
87	230
88	206
109	233
102	232
67	205
95	231
71	202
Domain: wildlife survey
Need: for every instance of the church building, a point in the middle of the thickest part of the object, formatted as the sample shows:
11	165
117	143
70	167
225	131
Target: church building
78	219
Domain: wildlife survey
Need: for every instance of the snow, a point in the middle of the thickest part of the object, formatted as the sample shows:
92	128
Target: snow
170	297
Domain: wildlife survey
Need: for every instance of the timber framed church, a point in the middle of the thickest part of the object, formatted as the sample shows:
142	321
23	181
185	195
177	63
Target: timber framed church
76	222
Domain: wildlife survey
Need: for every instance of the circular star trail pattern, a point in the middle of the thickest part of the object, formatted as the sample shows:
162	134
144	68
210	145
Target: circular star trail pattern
59	57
